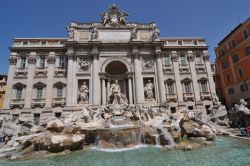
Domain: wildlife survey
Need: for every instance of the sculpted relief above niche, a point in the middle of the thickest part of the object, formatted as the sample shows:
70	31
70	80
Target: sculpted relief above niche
147	63
84	64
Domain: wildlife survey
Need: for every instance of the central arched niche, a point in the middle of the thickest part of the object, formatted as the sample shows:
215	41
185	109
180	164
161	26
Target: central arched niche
116	68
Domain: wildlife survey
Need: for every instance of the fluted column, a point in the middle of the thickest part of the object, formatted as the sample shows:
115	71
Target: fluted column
50	74
196	88
130	92
9	89
160	78
103	91
96	87
139	92
179	89
108	89
30	76
209	72
71	56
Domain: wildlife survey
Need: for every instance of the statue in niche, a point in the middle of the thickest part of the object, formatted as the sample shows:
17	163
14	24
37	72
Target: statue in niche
94	33
84	65
148	89
83	93
117	98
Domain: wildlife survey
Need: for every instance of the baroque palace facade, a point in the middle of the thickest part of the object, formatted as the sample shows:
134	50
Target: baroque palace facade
52	76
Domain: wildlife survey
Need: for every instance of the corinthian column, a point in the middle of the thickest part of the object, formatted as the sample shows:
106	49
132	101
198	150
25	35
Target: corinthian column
96	87
160	78
130	92
30	76
49	87
139	92
103	91
71	57
9	88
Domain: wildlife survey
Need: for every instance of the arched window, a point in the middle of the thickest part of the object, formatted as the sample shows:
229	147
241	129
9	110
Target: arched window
187	85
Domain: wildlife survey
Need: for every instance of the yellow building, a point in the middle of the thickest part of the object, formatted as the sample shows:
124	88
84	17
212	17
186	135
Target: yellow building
3	82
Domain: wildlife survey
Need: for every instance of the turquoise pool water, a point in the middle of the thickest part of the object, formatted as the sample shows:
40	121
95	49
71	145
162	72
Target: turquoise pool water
226	152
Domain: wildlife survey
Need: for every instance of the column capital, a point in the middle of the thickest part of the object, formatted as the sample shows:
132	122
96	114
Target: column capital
159	54
136	55
13	60
32	59
51	60
94	55
206	55
190	56
71	55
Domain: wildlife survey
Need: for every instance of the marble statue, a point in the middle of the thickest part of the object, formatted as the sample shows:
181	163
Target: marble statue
94	33
83	93
148	89
242	107
70	33
118	97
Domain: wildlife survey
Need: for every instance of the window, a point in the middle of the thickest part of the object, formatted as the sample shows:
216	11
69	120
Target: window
231	91
179	42
240	70
225	64
247	50
61	62
183	59
228	77
233	44
170	87
36	119
199	59
195	42
22	63
222	51
236	58
19	93
167	60
204	86
243	87
59	93
39	93
42	62
187	87
245	34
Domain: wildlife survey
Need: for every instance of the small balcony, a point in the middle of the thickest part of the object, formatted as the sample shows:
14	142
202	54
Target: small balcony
21	72
188	96
184	68
59	102
168	68
38	103
205	95
17	103
60	72
41	72
200	68
171	97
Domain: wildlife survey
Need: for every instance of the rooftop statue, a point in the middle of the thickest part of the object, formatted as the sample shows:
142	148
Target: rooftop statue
114	16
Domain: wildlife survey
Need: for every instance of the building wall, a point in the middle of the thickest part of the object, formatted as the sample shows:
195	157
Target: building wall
232	69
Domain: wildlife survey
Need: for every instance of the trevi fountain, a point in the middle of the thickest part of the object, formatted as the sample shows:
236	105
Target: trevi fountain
125	120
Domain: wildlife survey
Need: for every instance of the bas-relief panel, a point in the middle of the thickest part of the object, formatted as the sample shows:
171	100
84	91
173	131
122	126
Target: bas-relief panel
84	35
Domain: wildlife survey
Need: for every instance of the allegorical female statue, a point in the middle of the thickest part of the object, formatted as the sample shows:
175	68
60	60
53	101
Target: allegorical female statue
148	89
83	93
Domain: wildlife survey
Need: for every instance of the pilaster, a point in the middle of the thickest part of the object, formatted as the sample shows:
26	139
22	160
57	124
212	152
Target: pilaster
49	84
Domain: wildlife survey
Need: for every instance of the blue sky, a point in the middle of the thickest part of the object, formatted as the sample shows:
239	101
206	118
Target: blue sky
212	19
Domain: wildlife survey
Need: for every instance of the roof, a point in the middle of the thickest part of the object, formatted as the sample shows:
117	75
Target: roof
232	32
